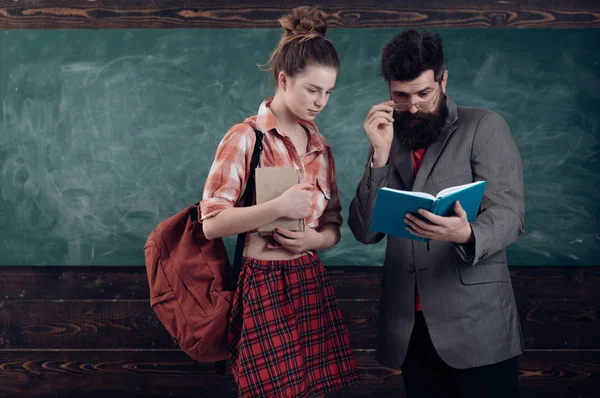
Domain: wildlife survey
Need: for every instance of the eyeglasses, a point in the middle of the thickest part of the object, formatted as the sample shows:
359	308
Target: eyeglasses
421	105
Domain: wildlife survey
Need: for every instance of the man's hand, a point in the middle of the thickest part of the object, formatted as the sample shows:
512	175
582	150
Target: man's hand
298	242
379	126
447	229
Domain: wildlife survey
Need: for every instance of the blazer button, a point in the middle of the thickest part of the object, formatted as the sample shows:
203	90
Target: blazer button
411	270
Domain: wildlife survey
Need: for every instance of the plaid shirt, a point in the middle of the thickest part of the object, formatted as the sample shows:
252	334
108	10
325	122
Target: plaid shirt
228	175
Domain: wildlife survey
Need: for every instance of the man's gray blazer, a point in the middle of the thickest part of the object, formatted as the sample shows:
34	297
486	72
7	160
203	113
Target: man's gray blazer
465	290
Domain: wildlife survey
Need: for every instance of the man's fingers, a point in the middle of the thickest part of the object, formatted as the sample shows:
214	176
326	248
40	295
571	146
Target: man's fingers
433	218
414	231
375	123
385	106
379	110
460	212
381	116
415	224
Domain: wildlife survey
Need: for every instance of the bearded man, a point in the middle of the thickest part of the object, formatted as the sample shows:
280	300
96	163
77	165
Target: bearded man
447	314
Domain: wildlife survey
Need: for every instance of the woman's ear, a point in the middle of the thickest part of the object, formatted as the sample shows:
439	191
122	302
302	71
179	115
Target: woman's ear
282	81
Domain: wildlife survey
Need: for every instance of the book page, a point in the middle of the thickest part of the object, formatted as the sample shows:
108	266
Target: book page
411	193
447	191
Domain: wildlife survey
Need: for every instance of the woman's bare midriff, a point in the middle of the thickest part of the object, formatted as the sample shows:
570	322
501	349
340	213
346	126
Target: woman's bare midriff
257	249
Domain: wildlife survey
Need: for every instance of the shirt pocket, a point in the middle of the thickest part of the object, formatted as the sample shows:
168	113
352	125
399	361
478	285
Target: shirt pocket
322	198
324	187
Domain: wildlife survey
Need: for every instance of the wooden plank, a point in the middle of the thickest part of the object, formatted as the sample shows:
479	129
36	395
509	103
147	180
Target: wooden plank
556	282
363	283
131	324
124	324
560	324
162	374
565	374
356	283
104	283
79	14
70	282
529	282
107	374
140	374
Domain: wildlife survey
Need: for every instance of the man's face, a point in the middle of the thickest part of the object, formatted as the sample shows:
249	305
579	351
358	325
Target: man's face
420	110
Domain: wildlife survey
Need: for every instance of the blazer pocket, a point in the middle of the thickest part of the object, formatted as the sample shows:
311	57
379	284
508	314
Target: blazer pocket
449	173
483	273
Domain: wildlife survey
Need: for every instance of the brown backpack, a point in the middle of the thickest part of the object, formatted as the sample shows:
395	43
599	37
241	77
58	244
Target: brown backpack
191	287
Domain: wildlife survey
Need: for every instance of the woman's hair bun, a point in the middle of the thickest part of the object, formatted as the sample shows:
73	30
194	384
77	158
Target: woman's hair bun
304	21
302	42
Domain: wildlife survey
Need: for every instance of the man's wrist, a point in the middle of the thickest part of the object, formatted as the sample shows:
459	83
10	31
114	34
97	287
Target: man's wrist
379	160
467	235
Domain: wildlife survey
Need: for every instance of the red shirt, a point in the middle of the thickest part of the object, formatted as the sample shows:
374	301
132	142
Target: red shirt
417	159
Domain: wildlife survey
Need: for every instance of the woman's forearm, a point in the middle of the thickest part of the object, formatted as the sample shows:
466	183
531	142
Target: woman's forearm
235	220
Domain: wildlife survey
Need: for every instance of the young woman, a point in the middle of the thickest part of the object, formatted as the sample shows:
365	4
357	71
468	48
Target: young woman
286	336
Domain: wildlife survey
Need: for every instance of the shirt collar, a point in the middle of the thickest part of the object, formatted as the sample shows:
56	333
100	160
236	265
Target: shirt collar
266	122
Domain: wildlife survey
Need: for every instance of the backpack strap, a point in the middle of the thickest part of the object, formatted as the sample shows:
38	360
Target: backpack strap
220	367
248	196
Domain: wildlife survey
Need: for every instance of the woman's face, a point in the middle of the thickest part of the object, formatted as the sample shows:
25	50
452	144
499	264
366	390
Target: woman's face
307	93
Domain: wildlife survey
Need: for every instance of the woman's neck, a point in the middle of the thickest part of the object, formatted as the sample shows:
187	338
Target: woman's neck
286	120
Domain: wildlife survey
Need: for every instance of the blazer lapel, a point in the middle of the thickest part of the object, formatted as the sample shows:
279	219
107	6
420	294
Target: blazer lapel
434	150
403	160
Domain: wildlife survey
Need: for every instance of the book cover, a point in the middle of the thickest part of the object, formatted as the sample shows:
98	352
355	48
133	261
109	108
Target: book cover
391	205
271	182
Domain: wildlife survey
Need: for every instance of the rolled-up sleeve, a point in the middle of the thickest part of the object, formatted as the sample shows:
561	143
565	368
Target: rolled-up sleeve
333	210
227	177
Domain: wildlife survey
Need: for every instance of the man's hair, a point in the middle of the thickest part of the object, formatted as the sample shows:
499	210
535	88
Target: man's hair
411	53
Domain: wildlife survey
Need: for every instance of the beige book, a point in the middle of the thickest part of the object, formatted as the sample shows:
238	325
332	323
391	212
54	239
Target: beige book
271	182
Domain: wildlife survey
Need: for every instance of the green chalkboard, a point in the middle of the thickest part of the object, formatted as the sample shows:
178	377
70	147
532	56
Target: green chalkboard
104	133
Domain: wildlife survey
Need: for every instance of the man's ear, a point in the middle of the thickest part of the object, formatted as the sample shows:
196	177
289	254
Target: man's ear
444	81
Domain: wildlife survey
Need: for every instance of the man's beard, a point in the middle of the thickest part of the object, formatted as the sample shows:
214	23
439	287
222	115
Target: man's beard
427	129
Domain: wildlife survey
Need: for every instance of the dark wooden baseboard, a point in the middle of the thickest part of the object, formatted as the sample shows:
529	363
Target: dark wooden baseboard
131	324
90	332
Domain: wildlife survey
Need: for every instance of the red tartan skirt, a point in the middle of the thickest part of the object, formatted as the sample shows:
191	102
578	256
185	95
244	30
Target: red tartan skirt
286	334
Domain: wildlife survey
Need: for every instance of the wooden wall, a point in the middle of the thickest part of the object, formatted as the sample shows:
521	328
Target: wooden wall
102	14
89	331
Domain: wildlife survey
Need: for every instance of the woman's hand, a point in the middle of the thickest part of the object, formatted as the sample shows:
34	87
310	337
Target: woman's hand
298	242
296	202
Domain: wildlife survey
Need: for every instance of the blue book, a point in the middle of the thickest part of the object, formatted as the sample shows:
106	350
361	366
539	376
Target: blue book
391	205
